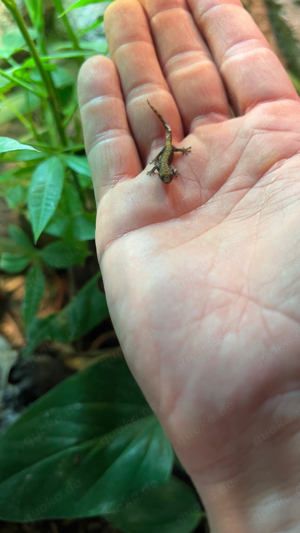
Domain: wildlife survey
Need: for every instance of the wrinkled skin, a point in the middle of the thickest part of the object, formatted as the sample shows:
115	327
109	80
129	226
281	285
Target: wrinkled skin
202	276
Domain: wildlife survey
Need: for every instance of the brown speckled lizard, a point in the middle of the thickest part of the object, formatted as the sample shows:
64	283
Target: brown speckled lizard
162	162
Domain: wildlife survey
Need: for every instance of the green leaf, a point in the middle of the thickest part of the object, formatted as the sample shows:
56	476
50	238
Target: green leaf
44	193
83	43
9	74
34	289
20	237
35	10
5	85
62	77
7	145
84	226
60	226
25	102
98	45
63	255
14	263
29	63
82	314
16	197
82	448
7	245
78	227
5	53
85	182
21	155
34	74
81	3
70	221
77	163
83	31
169	508
13	40
71	203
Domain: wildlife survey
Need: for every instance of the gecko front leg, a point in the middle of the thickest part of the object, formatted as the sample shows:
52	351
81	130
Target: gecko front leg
182	150
174	170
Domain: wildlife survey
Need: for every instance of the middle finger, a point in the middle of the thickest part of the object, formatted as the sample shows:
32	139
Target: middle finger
193	77
186	62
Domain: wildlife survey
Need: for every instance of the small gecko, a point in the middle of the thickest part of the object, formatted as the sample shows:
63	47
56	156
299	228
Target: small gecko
162	162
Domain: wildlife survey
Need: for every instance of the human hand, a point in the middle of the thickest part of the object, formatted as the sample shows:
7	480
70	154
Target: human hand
202	275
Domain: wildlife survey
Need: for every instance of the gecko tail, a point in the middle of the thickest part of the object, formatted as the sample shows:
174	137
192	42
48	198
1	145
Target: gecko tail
167	127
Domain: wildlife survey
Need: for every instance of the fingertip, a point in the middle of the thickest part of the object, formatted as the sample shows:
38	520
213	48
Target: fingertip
119	27
97	76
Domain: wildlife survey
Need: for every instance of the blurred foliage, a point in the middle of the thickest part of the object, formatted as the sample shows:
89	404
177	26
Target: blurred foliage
92	445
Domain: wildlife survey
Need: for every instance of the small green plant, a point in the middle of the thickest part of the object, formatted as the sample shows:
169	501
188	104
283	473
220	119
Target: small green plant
91	446
46	175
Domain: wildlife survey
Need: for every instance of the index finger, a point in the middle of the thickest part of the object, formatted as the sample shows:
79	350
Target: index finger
111	150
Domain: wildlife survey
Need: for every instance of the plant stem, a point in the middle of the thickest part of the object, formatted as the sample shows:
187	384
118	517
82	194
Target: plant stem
59	8
23	84
68	118
77	185
11	6
30	119
43	147
74	148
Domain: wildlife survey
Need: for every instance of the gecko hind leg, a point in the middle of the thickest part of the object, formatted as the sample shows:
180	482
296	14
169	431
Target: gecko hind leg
153	170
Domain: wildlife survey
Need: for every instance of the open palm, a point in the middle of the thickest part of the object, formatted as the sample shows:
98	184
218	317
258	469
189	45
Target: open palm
202	275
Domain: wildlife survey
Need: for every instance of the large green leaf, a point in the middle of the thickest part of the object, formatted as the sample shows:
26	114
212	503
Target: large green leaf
79	227
77	163
63	255
13	263
10	246
8	145
14	156
20	237
34	289
16	197
44	193
70	220
169	508
82	448
14	39
82	314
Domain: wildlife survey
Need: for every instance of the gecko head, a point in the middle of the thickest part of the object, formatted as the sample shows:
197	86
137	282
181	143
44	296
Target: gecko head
167	177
